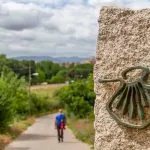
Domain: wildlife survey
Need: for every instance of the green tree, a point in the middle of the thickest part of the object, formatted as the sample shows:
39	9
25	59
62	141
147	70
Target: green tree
60	77
48	68
9	86
80	71
41	76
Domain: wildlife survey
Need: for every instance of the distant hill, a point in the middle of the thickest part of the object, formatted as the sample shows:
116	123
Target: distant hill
53	59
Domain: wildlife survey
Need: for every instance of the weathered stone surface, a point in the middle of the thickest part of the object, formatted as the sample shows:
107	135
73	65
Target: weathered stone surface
123	41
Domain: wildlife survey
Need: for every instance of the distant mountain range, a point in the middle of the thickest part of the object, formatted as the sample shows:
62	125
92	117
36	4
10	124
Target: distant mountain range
53	59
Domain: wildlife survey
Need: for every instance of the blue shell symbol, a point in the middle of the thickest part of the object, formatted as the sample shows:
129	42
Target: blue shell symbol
130	104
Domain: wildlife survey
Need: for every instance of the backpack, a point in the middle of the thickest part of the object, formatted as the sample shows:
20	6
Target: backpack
62	125
60	120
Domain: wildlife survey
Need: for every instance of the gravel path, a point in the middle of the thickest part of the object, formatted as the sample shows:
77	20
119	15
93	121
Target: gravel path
43	136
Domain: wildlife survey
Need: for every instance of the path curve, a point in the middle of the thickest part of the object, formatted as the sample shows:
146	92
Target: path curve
42	136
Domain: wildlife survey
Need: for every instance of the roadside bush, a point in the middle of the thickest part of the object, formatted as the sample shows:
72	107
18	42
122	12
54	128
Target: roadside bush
35	105
39	104
78	97
79	107
6	104
55	105
21	104
9	86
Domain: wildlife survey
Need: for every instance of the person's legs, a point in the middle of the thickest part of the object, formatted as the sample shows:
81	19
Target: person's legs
58	134
62	135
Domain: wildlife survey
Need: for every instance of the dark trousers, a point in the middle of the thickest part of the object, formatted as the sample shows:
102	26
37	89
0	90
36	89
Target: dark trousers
60	134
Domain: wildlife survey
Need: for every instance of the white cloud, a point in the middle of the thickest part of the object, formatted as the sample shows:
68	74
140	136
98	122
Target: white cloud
17	16
136	4
100	3
53	27
133	4
31	28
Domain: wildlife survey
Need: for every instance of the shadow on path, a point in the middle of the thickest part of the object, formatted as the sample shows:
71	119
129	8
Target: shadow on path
28	137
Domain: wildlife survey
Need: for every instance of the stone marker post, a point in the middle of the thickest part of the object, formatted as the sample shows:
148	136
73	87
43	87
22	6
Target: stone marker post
123	41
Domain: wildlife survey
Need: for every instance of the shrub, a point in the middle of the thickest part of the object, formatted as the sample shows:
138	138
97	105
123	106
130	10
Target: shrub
57	79
21	104
79	107
39	104
78	98
9	86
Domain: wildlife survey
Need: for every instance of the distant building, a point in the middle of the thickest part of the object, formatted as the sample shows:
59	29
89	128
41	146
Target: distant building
91	60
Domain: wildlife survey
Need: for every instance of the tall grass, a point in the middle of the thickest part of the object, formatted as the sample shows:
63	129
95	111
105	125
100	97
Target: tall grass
47	95
83	128
46	90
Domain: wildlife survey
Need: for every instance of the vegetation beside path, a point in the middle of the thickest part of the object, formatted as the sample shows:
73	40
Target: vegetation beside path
18	104
43	102
83	129
77	98
78	101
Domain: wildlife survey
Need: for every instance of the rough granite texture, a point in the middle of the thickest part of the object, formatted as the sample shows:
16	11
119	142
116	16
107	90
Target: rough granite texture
123	41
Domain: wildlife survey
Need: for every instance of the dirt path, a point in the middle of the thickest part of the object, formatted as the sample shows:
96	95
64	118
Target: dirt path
42	136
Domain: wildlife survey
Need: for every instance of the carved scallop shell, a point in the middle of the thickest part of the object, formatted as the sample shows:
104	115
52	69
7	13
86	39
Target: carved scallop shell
131	100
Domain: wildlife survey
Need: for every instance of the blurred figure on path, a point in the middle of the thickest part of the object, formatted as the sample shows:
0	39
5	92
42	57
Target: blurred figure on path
60	123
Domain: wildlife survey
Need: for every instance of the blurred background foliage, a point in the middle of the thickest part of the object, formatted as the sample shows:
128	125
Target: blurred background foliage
70	86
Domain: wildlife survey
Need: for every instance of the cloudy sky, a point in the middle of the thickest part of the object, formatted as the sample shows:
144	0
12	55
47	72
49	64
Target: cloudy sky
53	27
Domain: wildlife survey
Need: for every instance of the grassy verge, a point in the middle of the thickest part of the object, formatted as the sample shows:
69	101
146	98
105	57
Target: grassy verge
47	93
83	129
46	90
14	130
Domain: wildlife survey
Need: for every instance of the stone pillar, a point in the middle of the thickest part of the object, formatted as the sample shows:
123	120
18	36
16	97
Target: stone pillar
123	41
